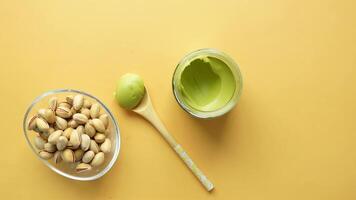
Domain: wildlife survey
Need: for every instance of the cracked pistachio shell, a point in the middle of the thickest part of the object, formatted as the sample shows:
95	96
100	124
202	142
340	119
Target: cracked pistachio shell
85	144
53	137
98	159
98	125
75	139
53	101
95	110
106	146
86	112
80	129
68	156
69	99
72	123
78	154
105	119
62	143
61	123
31	124
42	125
45	155
87	104
94	146
39	142
78	101
80	118
82	167
57	157
88	156
50	147
63	112
47	114
89	130
99	138
67	132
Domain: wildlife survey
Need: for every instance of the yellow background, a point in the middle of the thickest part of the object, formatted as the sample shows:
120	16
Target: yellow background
292	135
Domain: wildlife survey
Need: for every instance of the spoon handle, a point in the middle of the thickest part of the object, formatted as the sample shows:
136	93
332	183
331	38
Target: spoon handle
152	117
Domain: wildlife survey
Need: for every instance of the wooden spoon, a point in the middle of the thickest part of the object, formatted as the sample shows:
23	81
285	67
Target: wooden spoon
146	110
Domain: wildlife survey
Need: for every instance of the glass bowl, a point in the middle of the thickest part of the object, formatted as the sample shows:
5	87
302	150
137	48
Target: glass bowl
68	169
234	67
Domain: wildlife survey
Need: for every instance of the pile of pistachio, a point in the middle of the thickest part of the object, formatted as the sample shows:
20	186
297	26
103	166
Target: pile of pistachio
72	130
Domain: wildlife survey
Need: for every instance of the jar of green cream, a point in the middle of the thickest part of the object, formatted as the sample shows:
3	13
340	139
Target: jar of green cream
207	83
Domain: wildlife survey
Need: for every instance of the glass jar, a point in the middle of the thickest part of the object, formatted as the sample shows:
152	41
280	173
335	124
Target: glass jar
234	67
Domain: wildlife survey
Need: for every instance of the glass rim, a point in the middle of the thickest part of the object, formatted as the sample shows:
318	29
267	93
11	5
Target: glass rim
234	67
115	124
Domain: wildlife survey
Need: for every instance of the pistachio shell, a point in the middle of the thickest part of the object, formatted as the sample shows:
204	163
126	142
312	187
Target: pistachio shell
94	146
105	119
57	157
81	167
39	142
106	146
80	129
99	138
67	132
78	101
85	144
45	135
87	103
53	103
72	123
88	156
86	112
68	156
98	125
80	118
62	143
78	154
51	130
89	130
98	159
31	125
47	114
95	110
50	147
61	123
63	112
53	138
64	104
45	155
75	139
69	99
42	125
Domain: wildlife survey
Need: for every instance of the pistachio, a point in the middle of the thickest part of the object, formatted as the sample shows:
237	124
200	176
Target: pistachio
63	112
39	142
78	154
73	110
45	155
94	146
67	132
57	157
72	123
80	118
61	123
86	112
98	159
89	130
99	138
107	132
69	99
51	130
87	103
49	147
85	144
62	143
95	110
98	125
53	138
88	156
47	114
78	101
105	119
64	104
80	129
53	103
45	135
42	125
68	156
74	139
106	146
82	167
31	125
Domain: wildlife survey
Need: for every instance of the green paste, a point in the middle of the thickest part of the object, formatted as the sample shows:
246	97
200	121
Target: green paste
207	84
130	90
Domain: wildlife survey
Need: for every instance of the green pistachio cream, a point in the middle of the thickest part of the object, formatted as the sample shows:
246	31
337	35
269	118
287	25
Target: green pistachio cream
207	83
130	90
